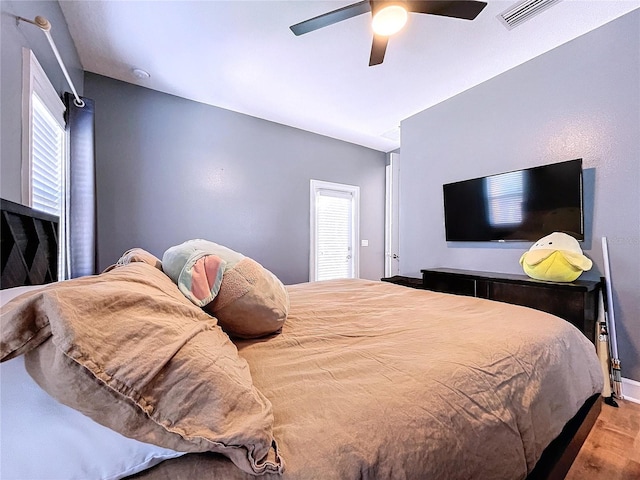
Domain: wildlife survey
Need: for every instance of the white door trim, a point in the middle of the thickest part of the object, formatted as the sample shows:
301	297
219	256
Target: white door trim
315	187
391	217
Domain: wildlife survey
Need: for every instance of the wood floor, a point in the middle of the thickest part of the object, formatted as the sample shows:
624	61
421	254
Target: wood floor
612	449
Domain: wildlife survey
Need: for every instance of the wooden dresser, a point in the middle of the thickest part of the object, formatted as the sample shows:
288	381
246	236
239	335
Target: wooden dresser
576	302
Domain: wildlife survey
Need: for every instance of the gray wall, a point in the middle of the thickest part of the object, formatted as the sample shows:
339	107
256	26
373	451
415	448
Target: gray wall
581	100
171	169
15	36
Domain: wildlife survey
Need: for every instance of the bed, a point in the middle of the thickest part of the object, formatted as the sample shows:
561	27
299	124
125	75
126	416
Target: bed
364	380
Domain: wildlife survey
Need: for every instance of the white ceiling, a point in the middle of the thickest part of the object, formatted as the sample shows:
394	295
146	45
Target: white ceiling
241	56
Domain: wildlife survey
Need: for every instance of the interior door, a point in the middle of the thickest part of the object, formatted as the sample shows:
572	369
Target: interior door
392	214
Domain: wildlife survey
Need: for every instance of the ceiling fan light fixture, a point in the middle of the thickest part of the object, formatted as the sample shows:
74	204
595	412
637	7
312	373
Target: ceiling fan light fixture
389	20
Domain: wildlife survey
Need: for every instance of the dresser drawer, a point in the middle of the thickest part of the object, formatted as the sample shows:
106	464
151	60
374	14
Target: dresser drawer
449	284
575	302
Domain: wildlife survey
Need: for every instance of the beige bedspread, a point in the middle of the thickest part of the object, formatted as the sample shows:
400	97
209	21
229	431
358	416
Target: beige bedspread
374	380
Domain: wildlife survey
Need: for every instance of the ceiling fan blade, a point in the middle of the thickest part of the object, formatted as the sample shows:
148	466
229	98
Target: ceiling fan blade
378	50
330	18
465	9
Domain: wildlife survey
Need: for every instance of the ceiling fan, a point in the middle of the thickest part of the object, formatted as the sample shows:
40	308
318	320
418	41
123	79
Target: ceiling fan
389	16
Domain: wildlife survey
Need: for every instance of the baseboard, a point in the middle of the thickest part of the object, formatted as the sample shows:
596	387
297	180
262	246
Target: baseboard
630	390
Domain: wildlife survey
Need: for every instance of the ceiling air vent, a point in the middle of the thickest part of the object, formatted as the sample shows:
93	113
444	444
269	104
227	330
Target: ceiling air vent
523	11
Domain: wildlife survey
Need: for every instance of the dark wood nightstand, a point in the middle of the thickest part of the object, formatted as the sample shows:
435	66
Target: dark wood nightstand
404	281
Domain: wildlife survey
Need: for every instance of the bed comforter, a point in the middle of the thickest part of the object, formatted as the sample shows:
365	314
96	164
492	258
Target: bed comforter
374	380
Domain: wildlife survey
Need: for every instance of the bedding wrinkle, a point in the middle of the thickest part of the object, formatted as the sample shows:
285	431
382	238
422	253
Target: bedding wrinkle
156	360
481	401
34	328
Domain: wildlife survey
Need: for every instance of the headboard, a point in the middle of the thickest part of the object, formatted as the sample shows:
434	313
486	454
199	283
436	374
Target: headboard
29	246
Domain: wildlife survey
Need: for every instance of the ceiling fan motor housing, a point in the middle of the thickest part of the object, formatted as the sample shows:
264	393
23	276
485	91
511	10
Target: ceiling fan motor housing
463	9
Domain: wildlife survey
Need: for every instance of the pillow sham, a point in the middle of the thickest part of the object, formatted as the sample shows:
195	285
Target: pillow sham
249	301
29	330
130	351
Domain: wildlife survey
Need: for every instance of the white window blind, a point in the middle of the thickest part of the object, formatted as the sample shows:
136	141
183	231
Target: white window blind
334	234
44	140
46	159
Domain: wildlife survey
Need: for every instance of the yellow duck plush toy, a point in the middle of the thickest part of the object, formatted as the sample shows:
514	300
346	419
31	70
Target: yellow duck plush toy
556	258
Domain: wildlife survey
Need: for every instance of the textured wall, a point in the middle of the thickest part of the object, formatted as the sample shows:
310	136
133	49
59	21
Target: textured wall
14	37
170	169
581	99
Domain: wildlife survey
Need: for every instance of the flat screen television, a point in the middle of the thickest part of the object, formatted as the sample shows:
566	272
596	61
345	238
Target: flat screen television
522	205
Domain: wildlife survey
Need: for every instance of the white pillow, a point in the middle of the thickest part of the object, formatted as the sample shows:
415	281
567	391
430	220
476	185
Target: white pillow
41	438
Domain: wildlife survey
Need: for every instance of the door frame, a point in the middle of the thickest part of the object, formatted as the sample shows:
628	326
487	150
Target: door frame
392	217
315	186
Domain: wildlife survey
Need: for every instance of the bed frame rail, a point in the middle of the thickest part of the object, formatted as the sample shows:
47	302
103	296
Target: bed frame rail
558	457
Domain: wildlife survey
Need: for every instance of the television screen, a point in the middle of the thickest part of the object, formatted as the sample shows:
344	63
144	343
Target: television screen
521	205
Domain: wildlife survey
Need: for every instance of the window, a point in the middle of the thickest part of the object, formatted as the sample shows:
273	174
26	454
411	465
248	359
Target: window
334	231
44	148
44	139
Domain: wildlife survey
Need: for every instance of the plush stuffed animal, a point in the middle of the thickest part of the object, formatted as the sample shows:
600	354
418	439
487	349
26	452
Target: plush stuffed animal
556	258
247	299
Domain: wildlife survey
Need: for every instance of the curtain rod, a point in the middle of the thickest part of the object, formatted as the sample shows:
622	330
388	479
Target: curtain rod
44	25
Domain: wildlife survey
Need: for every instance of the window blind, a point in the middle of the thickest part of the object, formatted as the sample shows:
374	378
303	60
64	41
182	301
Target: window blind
334	230
47	156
